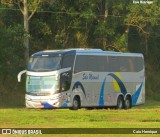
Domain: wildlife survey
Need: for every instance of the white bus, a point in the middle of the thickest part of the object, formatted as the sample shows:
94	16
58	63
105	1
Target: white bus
84	78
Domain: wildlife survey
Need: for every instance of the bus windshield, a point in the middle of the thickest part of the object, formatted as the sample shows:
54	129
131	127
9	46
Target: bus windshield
44	63
42	85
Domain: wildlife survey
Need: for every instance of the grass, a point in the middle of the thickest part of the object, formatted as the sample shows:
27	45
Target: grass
62	118
146	116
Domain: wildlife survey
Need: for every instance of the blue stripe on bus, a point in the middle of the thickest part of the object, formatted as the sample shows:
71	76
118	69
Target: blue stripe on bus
77	84
47	105
101	99
120	83
135	96
65	104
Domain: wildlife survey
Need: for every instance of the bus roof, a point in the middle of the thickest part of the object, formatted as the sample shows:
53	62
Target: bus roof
85	52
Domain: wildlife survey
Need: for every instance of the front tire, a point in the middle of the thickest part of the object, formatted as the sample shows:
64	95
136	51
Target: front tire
76	103
120	103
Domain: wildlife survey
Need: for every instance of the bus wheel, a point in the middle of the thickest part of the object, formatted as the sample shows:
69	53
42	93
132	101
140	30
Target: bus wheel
76	103
127	103
120	103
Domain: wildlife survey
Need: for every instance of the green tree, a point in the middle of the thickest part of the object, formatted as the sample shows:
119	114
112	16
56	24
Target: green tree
143	17
27	5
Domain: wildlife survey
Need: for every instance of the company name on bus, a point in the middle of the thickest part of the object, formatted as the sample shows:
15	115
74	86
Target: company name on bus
90	76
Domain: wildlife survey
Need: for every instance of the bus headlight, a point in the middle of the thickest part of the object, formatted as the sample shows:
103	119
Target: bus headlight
28	99
55	98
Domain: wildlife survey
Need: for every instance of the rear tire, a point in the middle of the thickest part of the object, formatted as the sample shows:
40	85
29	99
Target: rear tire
76	104
127	103
120	103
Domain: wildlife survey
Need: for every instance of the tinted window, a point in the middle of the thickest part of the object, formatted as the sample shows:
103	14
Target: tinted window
126	64
108	63
102	63
139	63
81	64
68	61
131	64
44	63
91	63
113	64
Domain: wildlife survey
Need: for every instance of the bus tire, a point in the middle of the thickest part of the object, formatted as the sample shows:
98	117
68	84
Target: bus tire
127	103
120	103
76	103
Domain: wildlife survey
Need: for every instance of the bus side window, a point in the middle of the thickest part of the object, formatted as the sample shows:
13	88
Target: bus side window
131	64
81	63
66	77
139	63
65	80
65	85
101	63
123	64
68	61
92	64
114	64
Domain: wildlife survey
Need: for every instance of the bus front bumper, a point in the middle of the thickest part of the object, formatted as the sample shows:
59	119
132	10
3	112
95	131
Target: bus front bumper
42	104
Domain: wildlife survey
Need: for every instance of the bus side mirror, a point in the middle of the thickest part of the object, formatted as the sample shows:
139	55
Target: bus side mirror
20	74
